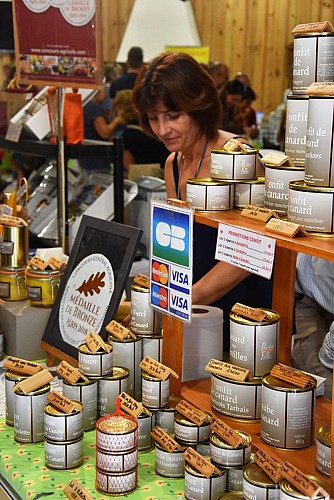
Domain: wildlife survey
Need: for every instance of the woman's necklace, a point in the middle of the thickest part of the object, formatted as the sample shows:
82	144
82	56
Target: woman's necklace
199	164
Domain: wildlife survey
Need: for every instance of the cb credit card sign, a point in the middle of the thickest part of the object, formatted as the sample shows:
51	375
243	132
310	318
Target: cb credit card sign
171	259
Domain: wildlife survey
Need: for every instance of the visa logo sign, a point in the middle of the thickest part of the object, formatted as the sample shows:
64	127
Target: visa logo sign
180	304
180	279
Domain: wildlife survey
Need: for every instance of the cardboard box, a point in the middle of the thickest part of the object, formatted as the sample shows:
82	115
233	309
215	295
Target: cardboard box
23	326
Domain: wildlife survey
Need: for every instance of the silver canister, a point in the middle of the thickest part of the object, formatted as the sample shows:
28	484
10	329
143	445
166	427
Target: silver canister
169	464
109	388
116	483
164	418
60	426
323	458
155	392
296	128
86	393
144	319
117	433
121	461
29	415
186	431
276	193
152	347
290	492
287	413
128	353
209	194
257	485
254	344
94	364
249	193
234	165
11	379
64	455
225	455
199	487
146	424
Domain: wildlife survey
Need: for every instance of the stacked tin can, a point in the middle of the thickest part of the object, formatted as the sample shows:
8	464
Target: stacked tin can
311	198
116	454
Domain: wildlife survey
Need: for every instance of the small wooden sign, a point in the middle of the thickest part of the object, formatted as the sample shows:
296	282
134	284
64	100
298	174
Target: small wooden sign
130	405
258	213
248	312
34	382
200	463
284	227
317	27
119	331
303	483
177	203
277	160
22	366
294	377
227	370
69	373
38	263
142	280
268	465
60	402
191	412
320	88
233	145
226	433
55	263
156	369
95	342
10	220
75	491
165	440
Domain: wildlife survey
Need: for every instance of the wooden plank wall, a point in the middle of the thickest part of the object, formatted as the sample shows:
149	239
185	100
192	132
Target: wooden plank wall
253	36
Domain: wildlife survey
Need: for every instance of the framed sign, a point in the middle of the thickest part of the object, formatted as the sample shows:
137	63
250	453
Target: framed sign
92	286
58	42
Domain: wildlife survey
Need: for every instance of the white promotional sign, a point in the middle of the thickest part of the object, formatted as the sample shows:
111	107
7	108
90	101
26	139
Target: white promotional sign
251	251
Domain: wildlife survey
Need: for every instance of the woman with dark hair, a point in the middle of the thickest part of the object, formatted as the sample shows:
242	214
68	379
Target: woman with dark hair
178	103
231	96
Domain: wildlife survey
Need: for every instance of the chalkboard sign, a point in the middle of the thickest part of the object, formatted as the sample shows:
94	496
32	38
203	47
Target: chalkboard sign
92	286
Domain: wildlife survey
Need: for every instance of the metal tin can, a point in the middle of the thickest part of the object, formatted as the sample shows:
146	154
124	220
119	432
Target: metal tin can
189	432
169	464
231	495
116	484
59	426
146	424
94	364
155	392
164	418
235	399
197	486
109	387
296	128
290	492
13	284
253	344
313	60
15	246
128	353
323	458
226	455
287	413
11	378
234	478
116	461
276	193
29	415
64	455
257	485
116	433
42	286
209	194
152	347
311	207
86	393
319	167
234	165
144	319
249	193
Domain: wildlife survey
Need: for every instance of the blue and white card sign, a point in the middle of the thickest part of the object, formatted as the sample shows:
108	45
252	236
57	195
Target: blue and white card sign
171	259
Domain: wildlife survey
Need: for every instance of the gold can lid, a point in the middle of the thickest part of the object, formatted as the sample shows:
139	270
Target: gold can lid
218	441
281	385
127	340
223	151
181	420
194	472
271	318
118	373
324	434
255	475
50	409
208	181
231	495
152	378
139	288
116	424
291	490
301	186
14	376
84	349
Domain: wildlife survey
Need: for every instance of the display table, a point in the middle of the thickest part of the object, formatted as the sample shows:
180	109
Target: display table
23	469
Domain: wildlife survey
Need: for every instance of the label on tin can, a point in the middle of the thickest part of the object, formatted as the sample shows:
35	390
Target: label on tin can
29	416
63	427
323	459
96	364
64	456
169	464
146	424
296	128
197	486
210	197
276	193
116	462
247	193
128	353
109	388
155	392
144	319
116	483
86	393
229	166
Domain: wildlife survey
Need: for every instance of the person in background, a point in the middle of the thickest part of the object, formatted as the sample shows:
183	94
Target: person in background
231	95
139	148
111	71
178	103
219	72
245	115
135	62
313	347
243	78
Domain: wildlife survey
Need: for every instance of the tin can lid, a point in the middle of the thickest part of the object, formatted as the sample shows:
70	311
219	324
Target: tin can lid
280	385
84	349
255	475
148	376
118	372
50	409
14	376
180	419
193	472
218	441
224	152
231	495
116	424
208	181
324	435
291	490
301	186
139	288
285	167
271	318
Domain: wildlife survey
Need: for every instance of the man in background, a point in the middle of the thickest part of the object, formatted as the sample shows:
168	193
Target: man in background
127	81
